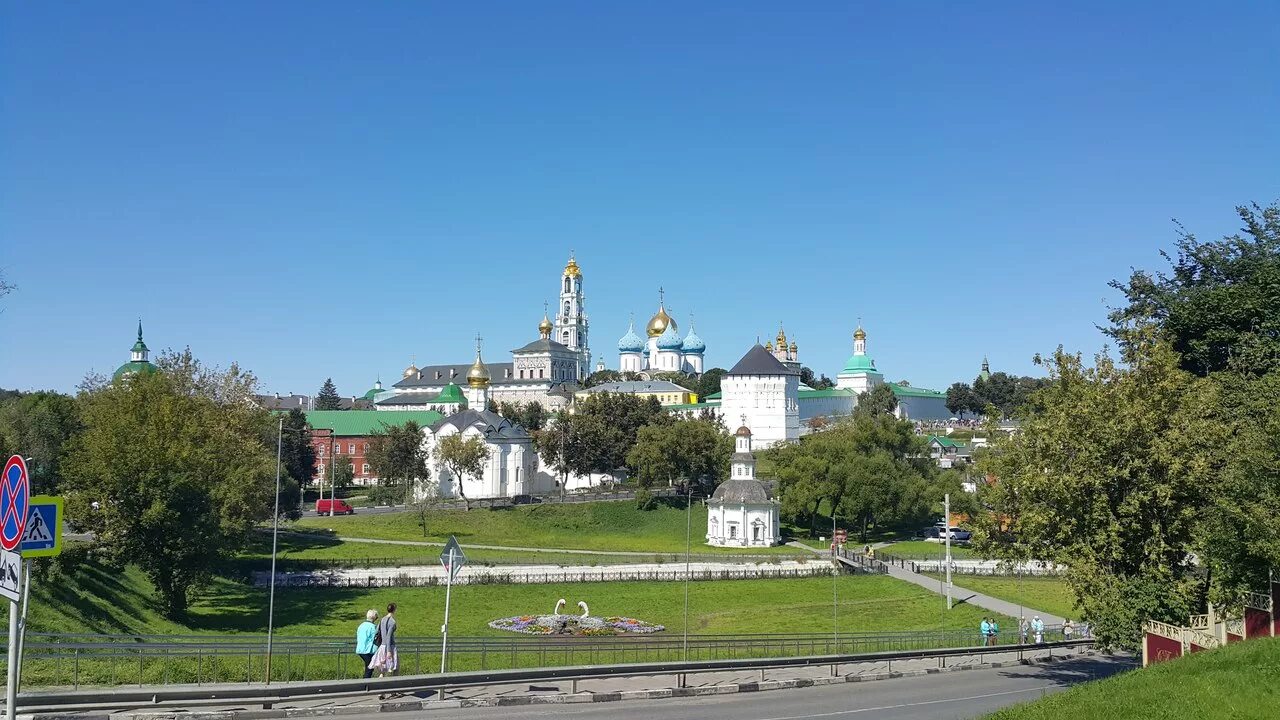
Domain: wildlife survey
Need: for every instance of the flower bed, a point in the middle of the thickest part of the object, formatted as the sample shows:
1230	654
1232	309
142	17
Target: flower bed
574	625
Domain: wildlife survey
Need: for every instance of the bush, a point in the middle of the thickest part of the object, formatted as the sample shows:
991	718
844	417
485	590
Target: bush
645	499
385	495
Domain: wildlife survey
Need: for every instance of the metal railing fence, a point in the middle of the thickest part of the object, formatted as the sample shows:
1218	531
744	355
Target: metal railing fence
65	660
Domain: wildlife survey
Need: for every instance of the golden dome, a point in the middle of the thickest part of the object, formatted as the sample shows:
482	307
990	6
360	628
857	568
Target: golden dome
859	334
478	375
769	345
782	338
545	327
659	322
572	269
411	371
794	348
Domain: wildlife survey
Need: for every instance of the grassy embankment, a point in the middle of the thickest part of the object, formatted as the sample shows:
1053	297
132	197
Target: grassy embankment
1240	681
604	526
921	550
1050	594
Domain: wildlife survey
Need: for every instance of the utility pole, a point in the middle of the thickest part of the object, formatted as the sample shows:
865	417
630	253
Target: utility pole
688	532
275	534
333	476
946	511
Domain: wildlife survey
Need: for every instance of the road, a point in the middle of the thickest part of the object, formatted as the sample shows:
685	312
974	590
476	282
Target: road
967	694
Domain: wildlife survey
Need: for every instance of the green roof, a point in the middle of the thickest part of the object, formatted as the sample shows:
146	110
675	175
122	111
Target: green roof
692	406
450	394
805	394
133	366
946	441
366	422
859	363
713	396
908	391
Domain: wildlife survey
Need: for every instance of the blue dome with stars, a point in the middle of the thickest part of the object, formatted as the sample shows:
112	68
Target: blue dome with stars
693	343
631	342
670	339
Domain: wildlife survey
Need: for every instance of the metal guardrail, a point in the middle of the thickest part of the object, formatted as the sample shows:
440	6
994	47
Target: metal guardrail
190	696
52	660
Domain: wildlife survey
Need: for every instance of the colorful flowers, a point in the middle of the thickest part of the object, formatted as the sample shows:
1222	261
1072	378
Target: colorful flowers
574	625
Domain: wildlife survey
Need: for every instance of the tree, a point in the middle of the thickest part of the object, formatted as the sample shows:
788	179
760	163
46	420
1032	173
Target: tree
868	467
1111	479
600	377
344	471
328	398
808	377
463	458
531	416
397	454
168	479
709	382
687	448
879	400
605	427
298	459
959	398
37	426
1219	308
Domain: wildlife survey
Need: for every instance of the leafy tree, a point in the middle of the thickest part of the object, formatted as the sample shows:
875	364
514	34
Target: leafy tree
328	399
298	458
686	448
1109	478
808	377
38	425
463	457
600	377
709	382
688	382
179	478
604	428
877	401
344	471
397	454
1220	306
960	398
531	416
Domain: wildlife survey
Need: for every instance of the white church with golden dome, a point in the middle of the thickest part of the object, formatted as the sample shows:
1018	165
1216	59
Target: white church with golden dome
547	370
664	351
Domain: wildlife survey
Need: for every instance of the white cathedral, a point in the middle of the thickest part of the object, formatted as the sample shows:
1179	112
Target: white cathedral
664	350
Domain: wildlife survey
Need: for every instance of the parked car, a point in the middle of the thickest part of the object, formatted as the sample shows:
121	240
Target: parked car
339	507
939	532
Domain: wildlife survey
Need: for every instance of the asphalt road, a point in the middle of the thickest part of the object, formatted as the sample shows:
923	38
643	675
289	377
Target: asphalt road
968	694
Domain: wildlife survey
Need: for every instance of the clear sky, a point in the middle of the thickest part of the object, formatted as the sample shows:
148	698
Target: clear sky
327	189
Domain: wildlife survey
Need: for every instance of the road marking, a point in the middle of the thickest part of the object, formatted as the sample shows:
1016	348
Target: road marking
1039	688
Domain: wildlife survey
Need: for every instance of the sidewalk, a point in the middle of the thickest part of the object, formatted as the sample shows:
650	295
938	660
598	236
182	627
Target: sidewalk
960	594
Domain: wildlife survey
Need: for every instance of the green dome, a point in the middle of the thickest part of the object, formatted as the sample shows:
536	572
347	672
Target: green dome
450	394
138	367
860	363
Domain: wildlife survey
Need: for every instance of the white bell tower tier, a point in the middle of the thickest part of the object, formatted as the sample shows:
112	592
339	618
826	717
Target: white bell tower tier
571	317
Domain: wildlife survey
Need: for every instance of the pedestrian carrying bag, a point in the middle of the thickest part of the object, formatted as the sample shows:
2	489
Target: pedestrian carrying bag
377	635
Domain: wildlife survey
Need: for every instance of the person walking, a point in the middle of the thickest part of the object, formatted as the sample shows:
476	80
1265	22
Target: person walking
385	659
1022	630
985	629
1067	630
995	632
1037	627
364	642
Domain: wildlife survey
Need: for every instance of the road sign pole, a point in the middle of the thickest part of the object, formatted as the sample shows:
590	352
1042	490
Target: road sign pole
946	504
22	620
444	629
11	686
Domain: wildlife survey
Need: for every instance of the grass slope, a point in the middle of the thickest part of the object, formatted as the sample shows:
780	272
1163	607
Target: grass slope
582	526
1049	594
1238	681
96	599
921	550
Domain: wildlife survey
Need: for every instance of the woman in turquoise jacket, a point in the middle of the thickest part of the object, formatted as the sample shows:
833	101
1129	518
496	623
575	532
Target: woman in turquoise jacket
364	641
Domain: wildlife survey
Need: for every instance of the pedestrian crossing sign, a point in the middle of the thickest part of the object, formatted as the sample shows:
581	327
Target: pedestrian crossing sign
43	536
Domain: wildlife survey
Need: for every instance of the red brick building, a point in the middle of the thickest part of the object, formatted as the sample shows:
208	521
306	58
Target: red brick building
345	434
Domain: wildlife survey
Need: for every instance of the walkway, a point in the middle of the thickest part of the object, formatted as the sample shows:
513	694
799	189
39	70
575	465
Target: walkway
960	594
511	548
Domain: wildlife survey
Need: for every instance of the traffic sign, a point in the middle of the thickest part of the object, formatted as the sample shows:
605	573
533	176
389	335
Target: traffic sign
452	557
10	571
43	536
15	492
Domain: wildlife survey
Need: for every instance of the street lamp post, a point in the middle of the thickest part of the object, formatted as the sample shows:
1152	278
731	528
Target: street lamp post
275	534
688	531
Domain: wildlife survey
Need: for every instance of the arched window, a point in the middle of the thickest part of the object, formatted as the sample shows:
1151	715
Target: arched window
566	289
566	309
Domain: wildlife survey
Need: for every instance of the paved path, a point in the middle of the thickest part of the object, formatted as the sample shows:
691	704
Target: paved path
960	594
558	551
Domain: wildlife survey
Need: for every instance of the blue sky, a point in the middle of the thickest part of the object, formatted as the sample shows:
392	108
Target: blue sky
327	189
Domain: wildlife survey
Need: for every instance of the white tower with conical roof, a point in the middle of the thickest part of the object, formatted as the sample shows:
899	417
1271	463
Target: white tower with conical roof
571	317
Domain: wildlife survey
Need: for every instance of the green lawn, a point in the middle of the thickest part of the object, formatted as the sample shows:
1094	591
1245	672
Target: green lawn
580	526
921	550
1240	681
1049	594
100	600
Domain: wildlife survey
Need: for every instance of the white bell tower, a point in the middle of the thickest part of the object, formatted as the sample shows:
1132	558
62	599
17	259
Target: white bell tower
571	317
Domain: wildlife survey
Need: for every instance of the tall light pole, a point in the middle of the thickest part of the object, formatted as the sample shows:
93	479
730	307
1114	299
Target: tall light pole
333	474
835	571
688	533
275	535
946	512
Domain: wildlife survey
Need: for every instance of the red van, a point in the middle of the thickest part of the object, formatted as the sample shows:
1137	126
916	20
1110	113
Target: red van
339	507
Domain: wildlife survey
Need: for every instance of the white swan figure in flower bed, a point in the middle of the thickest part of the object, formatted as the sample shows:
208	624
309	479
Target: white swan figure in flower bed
558	623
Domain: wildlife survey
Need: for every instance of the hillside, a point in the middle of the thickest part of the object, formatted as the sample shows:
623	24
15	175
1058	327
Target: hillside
1238	681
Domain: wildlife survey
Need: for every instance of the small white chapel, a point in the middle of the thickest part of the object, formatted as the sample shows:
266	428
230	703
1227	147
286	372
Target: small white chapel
743	512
